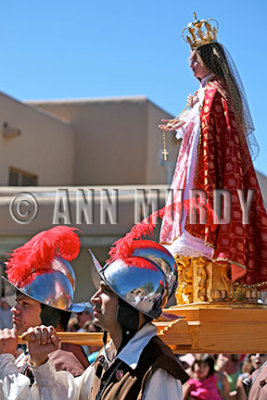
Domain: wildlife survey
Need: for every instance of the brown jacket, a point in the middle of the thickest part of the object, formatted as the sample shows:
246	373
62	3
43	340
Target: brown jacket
121	382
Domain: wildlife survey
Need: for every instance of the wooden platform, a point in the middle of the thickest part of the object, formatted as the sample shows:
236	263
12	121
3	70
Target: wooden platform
220	328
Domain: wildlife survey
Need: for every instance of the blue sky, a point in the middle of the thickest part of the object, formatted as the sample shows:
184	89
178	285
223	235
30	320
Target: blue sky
64	49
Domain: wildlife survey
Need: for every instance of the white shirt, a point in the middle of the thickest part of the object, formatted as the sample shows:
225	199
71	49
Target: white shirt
52	385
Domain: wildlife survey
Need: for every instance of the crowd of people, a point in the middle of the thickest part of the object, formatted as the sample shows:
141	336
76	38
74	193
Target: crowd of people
220	376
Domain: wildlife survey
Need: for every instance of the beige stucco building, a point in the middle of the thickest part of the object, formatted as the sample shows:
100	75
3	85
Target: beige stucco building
84	142
92	163
104	150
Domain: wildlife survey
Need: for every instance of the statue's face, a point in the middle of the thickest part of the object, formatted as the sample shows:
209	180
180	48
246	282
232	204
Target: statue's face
197	65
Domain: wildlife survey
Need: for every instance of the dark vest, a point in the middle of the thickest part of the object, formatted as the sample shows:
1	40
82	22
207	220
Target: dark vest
120	382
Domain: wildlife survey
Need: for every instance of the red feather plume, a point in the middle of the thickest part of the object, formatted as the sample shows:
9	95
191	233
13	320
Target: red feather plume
141	263
35	256
124	247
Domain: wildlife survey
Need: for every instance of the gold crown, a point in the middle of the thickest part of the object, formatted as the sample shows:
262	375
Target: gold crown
202	32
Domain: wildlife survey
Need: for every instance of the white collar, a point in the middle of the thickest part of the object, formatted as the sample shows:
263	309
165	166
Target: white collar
131	353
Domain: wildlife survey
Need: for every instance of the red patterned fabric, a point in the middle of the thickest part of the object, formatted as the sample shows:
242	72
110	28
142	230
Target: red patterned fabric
224	162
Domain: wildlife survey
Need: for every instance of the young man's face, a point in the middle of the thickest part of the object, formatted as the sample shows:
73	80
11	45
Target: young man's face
26	313
105	303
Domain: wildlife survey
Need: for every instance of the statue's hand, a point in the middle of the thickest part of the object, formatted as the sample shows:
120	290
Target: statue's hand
171	124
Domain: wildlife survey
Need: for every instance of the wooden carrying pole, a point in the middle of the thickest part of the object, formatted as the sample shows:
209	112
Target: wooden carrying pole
81	338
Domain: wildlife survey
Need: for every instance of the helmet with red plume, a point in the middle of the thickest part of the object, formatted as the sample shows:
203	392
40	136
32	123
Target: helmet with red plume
144	275
41	268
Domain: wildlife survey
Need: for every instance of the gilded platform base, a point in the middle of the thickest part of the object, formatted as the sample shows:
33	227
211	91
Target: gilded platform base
201	280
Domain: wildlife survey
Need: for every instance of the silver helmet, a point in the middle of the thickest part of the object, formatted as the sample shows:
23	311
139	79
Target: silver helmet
41	270
143	278
162	257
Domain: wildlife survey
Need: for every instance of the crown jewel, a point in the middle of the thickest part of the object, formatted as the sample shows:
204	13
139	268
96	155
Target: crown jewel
200	32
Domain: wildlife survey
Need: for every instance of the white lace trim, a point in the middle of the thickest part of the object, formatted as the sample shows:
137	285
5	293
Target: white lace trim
189	246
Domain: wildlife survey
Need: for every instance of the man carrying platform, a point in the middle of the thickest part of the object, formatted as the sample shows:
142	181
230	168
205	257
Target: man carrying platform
40	287
134	287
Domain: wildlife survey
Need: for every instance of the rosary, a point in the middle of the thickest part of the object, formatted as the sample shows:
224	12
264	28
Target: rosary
164	152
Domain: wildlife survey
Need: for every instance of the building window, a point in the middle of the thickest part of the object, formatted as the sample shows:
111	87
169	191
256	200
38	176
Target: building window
18	177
